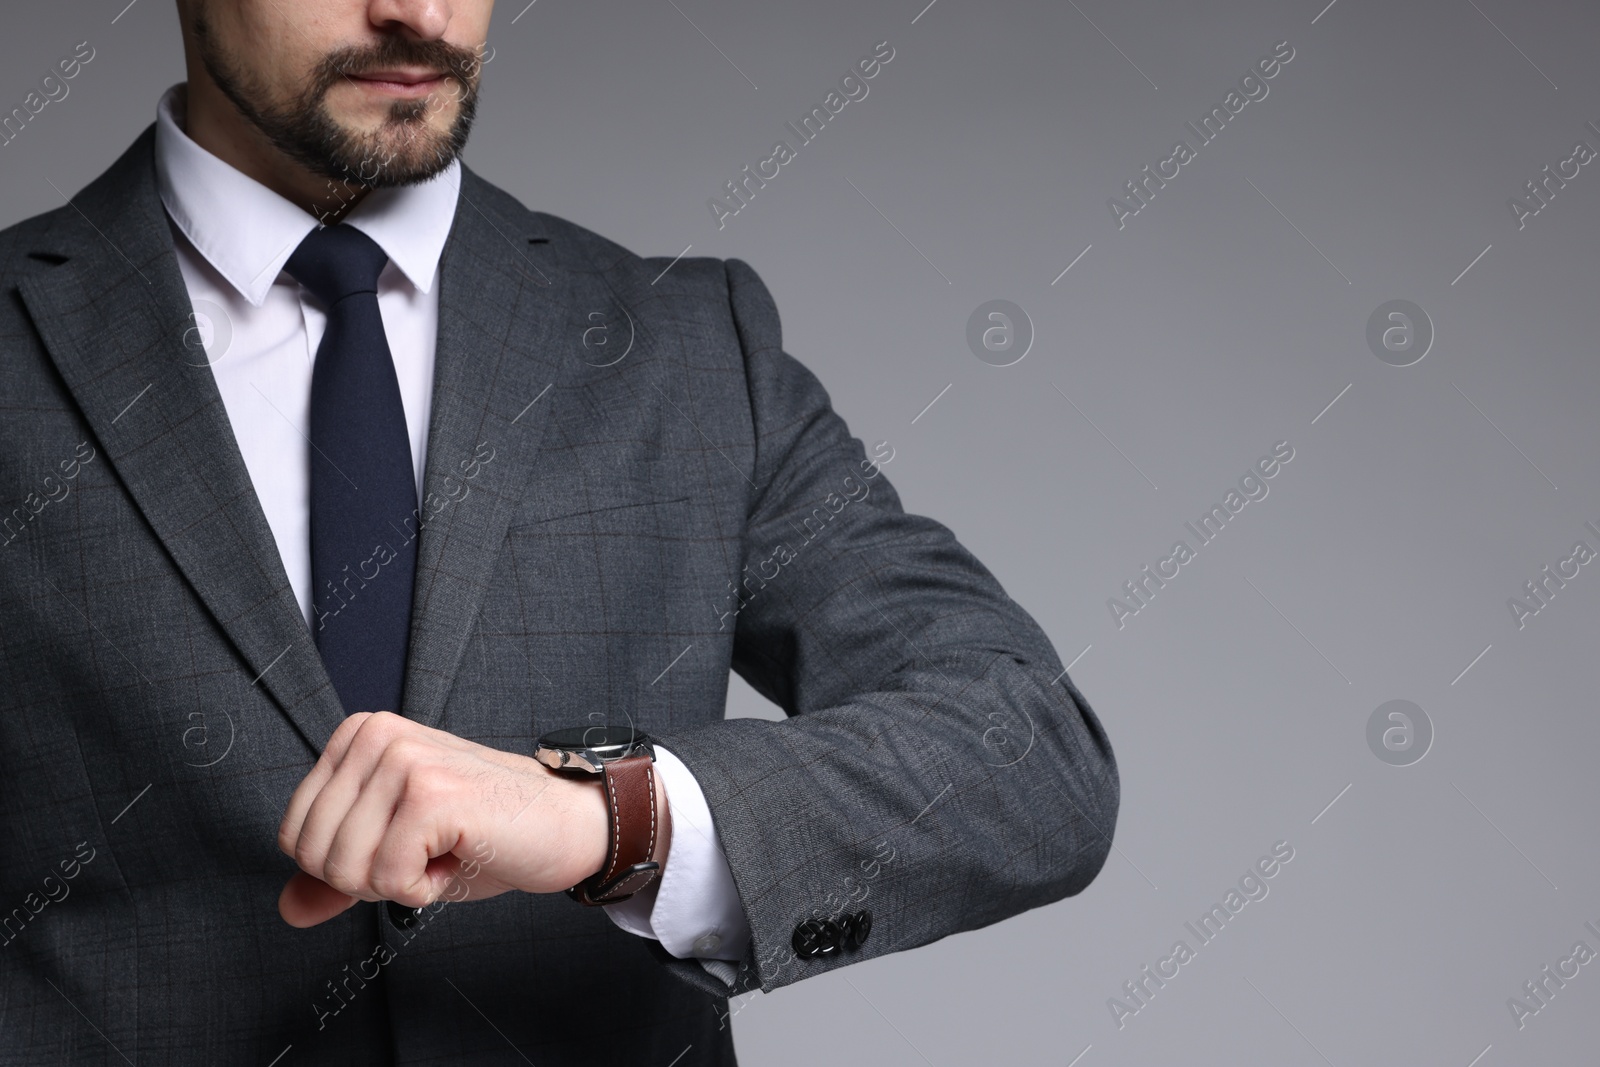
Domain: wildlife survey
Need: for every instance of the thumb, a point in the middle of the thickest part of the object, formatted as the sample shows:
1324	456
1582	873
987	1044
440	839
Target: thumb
307	901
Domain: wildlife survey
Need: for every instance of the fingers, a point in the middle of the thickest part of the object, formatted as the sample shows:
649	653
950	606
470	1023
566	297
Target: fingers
382	843
355	748
380	814
325	825
415	876
332	756
351	804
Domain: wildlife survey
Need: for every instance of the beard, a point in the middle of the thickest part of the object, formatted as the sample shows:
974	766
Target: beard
405	150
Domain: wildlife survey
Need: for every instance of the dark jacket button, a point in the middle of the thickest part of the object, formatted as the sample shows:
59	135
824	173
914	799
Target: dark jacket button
807	939
402	916
832	938
817	937
860	927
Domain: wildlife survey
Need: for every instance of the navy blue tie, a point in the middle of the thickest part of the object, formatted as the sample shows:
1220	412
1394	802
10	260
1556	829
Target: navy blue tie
364	516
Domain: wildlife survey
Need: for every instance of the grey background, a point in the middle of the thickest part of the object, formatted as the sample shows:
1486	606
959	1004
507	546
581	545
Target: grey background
1224	318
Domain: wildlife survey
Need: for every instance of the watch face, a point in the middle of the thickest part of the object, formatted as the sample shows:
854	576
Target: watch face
606	742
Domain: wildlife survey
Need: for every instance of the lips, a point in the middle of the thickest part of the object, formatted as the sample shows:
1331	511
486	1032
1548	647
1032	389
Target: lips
401	77
401	84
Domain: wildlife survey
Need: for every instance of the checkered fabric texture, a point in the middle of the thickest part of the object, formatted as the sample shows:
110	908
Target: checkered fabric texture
160	696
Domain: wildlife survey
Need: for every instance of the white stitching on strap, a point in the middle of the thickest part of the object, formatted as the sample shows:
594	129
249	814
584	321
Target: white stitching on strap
616	831
650	784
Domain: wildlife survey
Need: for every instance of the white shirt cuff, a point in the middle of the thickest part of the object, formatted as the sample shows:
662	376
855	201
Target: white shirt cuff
693	909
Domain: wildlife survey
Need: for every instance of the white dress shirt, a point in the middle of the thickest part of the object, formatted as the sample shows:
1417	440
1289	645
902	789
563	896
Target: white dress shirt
260	332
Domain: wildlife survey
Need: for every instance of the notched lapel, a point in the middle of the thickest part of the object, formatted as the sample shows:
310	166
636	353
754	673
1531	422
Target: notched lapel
114	317
504	300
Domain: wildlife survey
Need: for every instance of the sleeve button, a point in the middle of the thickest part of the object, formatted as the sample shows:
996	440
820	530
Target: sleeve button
817	937
860	927
832	938
807	939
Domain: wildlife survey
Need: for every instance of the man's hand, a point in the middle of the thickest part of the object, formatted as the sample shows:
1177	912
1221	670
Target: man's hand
395	810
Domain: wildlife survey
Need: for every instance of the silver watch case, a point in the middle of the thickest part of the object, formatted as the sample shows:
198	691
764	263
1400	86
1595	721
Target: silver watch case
589	748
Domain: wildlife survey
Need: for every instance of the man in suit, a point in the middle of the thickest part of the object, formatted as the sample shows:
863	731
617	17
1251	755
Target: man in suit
365	526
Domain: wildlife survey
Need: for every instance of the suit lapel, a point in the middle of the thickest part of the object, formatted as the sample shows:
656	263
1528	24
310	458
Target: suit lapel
114	317
503	309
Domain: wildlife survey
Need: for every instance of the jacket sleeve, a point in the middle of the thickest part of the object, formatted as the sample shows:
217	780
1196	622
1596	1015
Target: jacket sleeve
937	767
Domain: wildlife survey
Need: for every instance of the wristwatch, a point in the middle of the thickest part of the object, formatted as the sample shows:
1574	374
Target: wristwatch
624	758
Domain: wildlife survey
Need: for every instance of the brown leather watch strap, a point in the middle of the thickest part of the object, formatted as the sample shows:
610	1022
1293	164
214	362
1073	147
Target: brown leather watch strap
630	790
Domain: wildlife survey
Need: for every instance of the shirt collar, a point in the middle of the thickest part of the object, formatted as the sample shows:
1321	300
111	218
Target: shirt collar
247	231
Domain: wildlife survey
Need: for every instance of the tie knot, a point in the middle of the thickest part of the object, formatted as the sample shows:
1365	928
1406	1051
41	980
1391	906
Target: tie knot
336	261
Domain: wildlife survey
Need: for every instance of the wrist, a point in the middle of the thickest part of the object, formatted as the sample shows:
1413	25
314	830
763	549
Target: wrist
590	823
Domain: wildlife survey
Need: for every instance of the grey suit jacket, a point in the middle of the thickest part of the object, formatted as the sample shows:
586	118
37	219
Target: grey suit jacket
663	500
